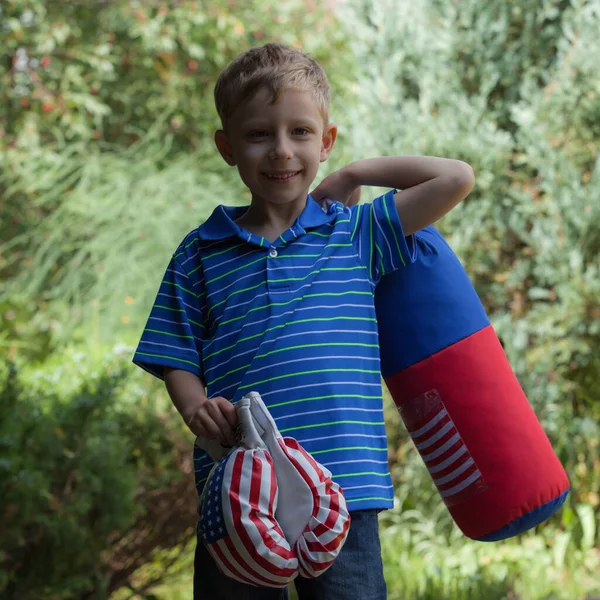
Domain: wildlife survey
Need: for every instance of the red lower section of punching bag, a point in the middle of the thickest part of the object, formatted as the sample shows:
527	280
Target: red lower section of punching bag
458	405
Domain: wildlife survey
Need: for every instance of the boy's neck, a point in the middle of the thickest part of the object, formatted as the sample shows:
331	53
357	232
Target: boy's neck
271	220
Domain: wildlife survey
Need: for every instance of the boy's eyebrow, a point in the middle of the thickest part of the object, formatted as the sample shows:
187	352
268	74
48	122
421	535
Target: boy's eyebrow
262	122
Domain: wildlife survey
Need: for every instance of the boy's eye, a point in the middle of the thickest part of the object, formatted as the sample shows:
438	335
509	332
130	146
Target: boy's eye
258	133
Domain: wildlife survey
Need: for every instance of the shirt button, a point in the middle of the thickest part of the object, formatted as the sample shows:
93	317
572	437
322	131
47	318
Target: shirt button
273	253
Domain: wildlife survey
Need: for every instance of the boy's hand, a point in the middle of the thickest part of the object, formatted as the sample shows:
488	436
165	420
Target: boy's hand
215	419
212	418
338	186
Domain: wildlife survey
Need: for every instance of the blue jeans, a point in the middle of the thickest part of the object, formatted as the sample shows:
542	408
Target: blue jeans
356	574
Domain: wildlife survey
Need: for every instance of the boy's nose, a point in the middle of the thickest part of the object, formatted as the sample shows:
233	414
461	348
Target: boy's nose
282	149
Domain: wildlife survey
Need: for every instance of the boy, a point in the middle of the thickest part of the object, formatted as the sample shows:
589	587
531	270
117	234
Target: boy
277	297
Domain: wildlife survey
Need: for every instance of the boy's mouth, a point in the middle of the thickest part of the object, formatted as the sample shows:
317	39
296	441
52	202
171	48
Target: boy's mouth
282	176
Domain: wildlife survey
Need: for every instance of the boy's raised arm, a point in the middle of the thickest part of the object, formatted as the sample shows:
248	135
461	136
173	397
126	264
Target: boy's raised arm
431	186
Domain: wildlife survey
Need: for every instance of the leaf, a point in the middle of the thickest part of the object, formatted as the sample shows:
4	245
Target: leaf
587	519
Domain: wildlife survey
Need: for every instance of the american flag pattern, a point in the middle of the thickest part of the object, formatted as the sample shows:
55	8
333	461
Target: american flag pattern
326	531
238	526
441	446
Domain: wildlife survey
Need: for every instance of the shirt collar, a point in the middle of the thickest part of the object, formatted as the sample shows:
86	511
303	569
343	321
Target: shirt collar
221	223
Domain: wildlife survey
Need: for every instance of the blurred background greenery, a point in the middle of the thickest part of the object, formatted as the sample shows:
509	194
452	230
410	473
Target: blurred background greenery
107	160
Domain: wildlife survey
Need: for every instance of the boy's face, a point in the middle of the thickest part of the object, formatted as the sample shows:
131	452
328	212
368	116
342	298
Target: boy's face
277	147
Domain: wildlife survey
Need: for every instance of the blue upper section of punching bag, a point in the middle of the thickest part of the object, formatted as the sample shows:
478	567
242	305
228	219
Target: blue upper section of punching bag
426	306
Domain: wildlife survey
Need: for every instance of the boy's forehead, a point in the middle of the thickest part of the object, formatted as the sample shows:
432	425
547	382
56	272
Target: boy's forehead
289	100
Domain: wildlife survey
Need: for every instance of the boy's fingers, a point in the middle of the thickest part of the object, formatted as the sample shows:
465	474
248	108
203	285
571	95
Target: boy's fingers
208	428
229	411
216	412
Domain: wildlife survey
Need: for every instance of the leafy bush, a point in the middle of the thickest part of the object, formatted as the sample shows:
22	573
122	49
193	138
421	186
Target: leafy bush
95	481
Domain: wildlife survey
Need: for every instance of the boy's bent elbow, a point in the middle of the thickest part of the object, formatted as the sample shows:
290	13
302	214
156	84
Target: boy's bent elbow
459	184
464	176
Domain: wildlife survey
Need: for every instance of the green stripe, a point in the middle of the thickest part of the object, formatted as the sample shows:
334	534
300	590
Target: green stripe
176	256
319	234
181	288
169	357
394	232
353	344
221	252
258	308
298	255
213	381
185	248
297	300
192	242
262	258
250	337
196	323
381	267
309	373
169	308
363	473
281	238
262	241
325	398
280	304
358	209
370	498
340	294
183	337
350	448
332	423
371	242
291	279
252	287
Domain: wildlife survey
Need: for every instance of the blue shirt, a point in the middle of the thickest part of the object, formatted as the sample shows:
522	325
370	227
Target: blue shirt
293	320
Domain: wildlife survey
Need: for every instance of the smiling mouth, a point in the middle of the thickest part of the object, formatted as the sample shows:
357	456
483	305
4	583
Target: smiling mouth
281	177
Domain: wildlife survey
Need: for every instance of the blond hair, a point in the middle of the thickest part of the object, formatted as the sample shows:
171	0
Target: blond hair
275	67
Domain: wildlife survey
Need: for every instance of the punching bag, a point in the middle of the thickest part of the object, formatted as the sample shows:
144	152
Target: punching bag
460	400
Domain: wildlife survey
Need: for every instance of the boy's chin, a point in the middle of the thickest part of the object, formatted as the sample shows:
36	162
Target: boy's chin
279	198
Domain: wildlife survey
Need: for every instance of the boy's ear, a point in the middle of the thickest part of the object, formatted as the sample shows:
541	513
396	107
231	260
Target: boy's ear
328	140
224	147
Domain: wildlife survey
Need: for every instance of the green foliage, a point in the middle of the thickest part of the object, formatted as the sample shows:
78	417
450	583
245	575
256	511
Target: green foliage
85	71
91	486
426	559
112	252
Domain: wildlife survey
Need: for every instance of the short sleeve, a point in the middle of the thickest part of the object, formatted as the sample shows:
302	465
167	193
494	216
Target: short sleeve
378	237
175	331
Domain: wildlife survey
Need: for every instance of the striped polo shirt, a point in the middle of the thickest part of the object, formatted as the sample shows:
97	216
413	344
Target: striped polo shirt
293	320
